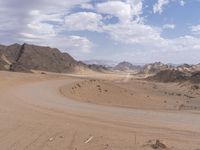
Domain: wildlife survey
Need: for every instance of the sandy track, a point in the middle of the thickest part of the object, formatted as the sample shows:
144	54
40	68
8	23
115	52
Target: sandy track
36	116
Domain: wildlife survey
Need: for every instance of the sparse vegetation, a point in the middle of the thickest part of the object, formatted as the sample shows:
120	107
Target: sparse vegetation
195	87
78	85
158	145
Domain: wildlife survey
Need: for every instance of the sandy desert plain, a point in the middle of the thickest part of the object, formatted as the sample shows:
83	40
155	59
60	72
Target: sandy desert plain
46	111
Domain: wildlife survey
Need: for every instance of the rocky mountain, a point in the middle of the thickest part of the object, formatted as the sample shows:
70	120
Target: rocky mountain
24	58
176	76
106	63
169	76
180	73
195	77
151	68
196	67
99	68
188	68
156	67
94	67
127	66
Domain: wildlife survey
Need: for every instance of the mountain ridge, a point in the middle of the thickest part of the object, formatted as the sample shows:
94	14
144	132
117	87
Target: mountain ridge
26	57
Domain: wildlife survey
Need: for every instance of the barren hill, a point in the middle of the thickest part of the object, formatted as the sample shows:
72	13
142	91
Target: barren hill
24	58
155	68
169	76
176	76
127	66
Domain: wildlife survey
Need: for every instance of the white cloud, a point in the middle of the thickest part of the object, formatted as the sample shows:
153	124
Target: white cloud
64	43
16	16
118	9
136	6
185	43
169	26
40	22
83	21
38	16
124	10
84	43
132	33
158	7
196	29
182	2
42	28
87	6
38	28
45	22
149	38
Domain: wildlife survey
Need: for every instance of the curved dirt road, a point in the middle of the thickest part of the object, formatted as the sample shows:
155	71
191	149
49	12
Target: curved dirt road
35	116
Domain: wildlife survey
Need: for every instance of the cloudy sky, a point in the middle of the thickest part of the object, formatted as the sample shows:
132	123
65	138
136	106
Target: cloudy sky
139	31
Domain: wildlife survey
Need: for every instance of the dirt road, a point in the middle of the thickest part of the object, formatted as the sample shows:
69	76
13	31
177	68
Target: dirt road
35	116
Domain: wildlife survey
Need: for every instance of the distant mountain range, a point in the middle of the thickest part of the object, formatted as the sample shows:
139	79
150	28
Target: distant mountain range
156	67
176	76
25	58
106	63
146	69
127	66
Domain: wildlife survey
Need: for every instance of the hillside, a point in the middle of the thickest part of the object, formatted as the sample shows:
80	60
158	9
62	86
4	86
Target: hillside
176	76
24	58
127	66
155	68
169	76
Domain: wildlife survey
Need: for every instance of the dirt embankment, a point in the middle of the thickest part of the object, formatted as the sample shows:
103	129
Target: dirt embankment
133	94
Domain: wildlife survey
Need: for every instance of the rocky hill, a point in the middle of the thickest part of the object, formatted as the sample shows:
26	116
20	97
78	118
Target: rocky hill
188	68
24	58
105	63
156	67
195	77
151	68
99	68
176	76
94	67
169	76
127	66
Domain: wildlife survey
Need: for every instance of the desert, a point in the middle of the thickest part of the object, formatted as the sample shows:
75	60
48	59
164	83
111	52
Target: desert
99	75
84	111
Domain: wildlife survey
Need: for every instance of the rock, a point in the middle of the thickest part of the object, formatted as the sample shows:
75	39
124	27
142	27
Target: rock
24	58
158	145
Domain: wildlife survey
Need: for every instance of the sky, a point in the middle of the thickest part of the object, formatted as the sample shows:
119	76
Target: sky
138	31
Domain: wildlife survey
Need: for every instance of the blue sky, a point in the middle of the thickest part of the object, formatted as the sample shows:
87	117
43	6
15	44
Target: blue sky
139	31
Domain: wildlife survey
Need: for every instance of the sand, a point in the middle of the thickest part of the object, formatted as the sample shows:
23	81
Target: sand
36	116
135	93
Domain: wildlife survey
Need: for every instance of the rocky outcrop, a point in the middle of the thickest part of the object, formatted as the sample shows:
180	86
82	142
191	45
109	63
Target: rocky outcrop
155	68
24	58
127	66
169	76
176	76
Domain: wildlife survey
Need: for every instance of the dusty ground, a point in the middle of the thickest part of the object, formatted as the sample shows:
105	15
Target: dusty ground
135	93
36	116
